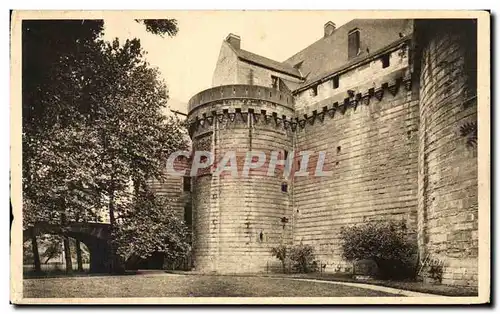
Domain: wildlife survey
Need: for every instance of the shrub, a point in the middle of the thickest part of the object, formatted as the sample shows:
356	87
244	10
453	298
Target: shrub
385	243
435	269
280	252
302	257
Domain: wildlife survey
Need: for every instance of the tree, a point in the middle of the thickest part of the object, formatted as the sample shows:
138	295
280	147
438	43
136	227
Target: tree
57	167
152	226
93	123
52	246
160	26
79	255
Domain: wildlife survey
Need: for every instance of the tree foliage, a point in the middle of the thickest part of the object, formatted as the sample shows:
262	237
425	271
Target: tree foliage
94	131
302	256
54	59
160	26
386	243
280	252
152	226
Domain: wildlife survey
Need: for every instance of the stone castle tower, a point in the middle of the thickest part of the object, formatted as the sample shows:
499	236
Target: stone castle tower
387	100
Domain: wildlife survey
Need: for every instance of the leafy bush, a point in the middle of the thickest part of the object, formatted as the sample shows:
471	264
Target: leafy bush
385	243
280	252
435	269
302	257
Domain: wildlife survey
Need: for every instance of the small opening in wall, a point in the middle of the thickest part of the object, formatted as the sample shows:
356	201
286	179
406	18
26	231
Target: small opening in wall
186	184
335	82
237	110
284	187
285	154
261	236
188	216
385	60
297	210
337	163
339	149
225	110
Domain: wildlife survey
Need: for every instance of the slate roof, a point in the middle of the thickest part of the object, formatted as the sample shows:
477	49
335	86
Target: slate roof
268	63
329	54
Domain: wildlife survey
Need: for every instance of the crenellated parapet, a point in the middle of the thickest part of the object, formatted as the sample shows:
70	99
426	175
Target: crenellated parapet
237	104
240	92
387	86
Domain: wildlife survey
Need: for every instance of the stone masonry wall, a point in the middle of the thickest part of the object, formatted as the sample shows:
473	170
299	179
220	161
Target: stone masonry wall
371	146
237	220
448	205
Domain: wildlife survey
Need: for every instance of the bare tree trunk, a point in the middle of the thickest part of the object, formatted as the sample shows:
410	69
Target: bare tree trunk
36	255
67	255
79	255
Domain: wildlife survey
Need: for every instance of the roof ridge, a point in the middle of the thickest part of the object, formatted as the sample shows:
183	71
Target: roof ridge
267	62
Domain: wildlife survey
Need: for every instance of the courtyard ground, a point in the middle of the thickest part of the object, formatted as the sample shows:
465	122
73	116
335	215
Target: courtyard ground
173	285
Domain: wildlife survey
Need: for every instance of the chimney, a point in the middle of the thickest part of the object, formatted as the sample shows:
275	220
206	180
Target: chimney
329	28
234	40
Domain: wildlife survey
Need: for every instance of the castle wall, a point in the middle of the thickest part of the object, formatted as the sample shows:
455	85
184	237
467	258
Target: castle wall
362	74
238	219
395	142
448	205
371	148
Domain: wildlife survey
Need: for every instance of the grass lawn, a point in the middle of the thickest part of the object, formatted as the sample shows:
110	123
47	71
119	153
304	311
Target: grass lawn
172	285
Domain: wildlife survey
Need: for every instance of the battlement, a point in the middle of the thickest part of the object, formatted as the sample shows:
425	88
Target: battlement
250	92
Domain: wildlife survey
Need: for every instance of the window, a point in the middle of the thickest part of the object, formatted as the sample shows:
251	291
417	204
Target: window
314	91
186	184
335	82
274	82
285	154
385	60
284	187
354	47
188	217
250	77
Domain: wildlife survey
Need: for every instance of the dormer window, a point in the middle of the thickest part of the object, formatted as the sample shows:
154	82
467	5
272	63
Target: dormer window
354	46
274	82
335	82
385	60
314	91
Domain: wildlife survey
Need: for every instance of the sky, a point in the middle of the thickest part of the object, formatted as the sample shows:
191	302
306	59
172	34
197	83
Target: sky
187	61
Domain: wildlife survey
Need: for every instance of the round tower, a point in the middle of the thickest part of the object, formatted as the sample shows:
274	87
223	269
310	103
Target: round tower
238	219
448	205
